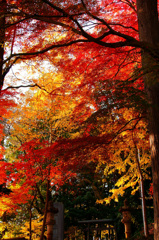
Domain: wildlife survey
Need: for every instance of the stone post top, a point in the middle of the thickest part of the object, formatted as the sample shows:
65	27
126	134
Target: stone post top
126	207
51	207
126	203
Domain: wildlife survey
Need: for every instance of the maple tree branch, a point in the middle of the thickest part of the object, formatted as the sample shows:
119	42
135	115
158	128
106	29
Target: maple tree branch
84	33
91	39
61	24
137	75
91	142
37	208
8	68
129	129
32	85
121	25
15	23
55	7
128	40
21	142
65	14
121	130
39	193
14	35
88	36
43	50
130	4
111	30
26	86
21	86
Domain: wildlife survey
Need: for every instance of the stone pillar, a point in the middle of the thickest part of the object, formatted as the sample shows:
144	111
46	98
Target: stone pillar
126	220
58	228
50	220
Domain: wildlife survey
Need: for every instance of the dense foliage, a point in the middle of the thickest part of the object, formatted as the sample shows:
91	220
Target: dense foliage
94	99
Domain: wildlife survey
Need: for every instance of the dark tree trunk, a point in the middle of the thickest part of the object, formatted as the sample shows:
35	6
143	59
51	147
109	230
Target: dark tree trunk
45	210
2	38
149	33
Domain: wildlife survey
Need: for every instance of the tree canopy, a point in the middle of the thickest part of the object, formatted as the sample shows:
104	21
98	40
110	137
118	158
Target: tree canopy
102	92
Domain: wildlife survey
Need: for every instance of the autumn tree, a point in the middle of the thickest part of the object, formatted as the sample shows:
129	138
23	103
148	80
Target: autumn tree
102	29
30	159
7	104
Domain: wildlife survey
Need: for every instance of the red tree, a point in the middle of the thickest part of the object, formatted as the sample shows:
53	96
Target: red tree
109	31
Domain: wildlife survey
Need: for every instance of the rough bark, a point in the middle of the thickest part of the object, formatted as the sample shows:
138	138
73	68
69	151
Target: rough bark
149	33
2	38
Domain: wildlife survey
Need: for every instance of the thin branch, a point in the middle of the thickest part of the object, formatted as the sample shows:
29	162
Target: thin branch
126	27
21	86
8	68
33	54
122	129
40	195
32	85
130	4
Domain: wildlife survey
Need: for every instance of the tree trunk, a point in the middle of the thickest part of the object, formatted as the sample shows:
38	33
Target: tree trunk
146	232
30	224
149	34
45	210
2	38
